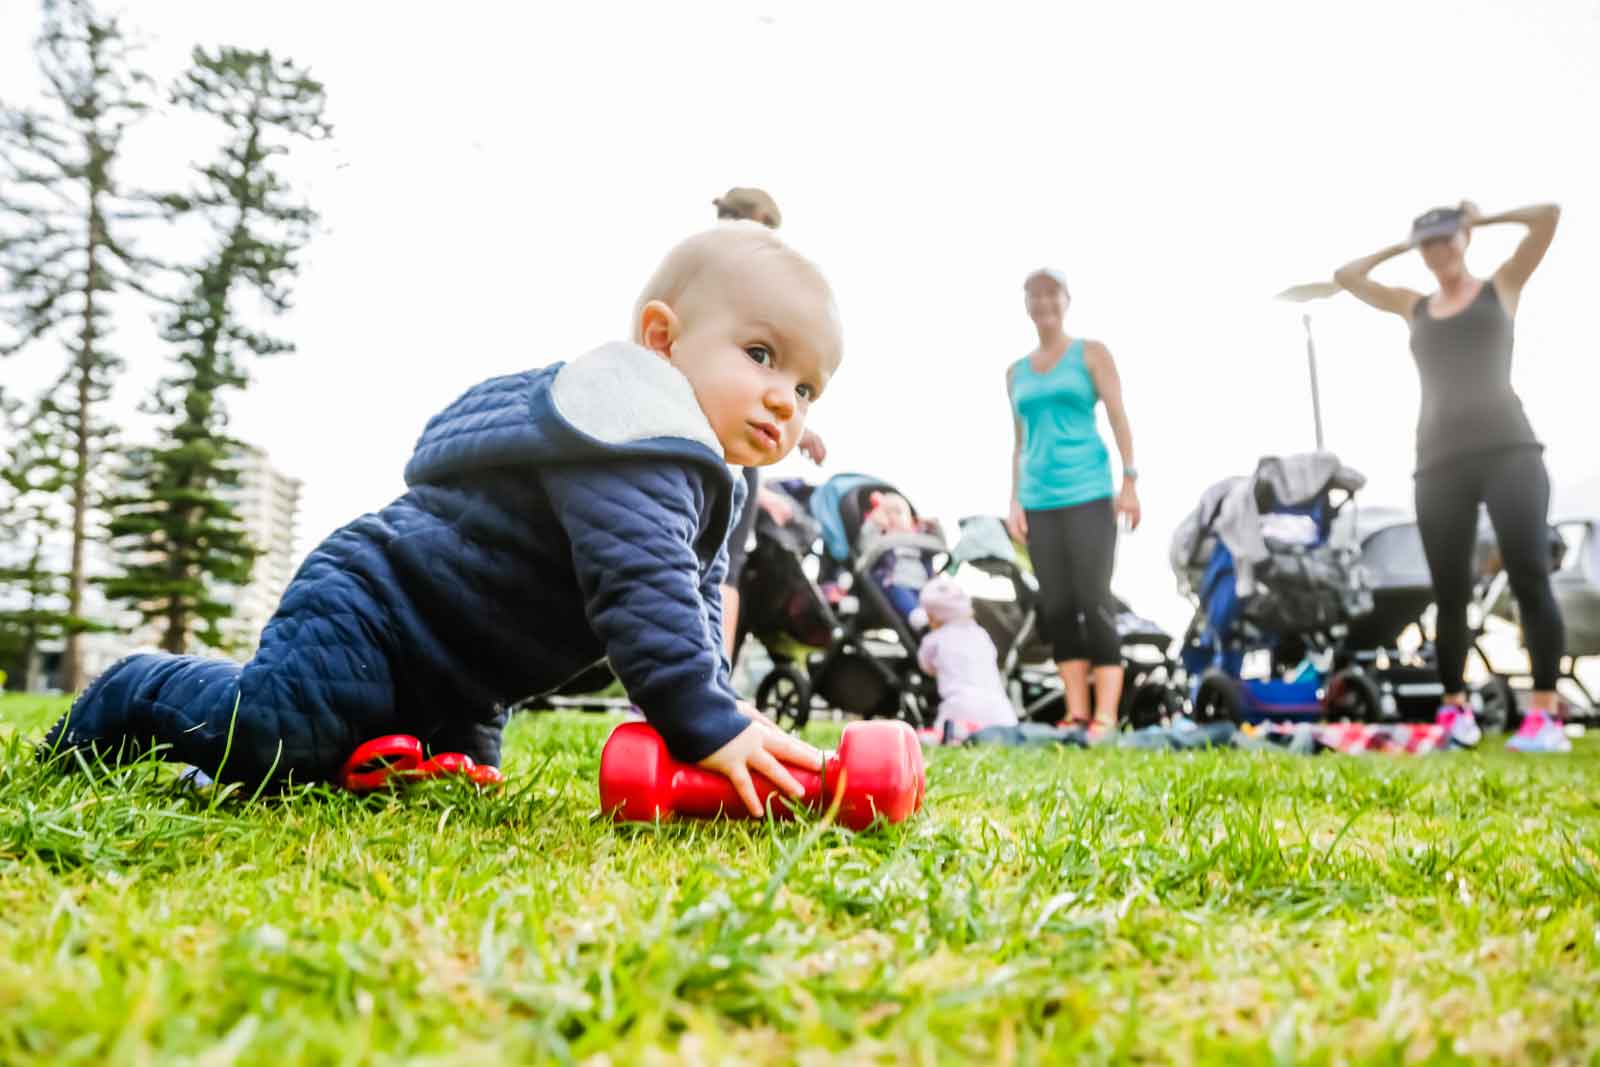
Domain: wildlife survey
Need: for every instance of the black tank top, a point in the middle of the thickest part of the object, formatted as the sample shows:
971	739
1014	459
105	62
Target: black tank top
1464	362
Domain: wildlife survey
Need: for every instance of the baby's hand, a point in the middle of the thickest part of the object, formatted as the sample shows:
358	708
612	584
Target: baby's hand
760	747
812	448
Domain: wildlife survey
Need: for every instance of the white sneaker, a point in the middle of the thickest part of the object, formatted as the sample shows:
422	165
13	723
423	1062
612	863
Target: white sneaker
194	778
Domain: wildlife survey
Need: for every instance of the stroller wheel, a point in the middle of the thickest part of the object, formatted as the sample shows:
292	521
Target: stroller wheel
785	696
1498	709
1218	699
916	708
1151	704
1353	697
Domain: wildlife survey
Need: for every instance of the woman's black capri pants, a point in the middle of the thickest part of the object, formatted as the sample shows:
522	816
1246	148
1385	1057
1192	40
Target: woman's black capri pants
1072	549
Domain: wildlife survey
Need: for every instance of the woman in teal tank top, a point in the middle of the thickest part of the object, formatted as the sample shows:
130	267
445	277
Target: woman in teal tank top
1062	500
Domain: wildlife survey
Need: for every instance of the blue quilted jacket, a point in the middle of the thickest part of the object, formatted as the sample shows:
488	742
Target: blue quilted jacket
552	518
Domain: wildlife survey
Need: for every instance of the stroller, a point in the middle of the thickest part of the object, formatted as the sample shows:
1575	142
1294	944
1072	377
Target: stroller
1271	581
1381	679
1391	551
1008	610
1575	581
831	631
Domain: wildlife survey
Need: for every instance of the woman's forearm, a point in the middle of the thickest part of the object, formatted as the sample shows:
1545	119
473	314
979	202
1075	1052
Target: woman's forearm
1122	433
1358	269
1531	215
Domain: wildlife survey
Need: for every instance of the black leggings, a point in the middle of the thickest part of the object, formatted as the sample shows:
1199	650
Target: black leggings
1072	549
1516	487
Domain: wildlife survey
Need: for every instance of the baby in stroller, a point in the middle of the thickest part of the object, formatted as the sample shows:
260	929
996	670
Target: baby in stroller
903	566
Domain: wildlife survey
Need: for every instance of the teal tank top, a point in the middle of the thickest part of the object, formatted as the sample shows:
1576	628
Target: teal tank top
1064	461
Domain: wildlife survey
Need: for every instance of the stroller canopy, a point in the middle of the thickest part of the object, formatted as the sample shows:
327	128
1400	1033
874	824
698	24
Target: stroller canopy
983	537
1391	547
838	505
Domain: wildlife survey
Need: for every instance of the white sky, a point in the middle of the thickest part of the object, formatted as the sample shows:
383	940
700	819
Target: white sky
505	176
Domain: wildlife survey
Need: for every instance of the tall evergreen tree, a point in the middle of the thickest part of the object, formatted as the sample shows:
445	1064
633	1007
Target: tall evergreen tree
177	524
35	469
64	253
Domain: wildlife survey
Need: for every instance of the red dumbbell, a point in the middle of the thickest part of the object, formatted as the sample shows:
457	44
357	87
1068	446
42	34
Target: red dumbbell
375	762
877	771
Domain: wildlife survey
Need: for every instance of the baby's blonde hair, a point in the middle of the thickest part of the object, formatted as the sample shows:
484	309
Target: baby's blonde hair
690	258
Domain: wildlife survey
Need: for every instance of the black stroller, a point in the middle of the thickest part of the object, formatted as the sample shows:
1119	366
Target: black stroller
1404	683
1382	676
1576	583
1151	693
1572	577
833	635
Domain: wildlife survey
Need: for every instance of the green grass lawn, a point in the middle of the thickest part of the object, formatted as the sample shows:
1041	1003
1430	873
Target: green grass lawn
1100	906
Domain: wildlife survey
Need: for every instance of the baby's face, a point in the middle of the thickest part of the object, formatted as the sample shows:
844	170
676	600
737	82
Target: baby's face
758	340
895	513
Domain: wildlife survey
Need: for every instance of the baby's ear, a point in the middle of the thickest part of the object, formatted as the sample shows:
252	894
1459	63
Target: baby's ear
874	499
658	328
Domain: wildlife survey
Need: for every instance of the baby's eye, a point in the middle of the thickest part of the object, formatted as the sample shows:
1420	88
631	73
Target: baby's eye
805	392
760	353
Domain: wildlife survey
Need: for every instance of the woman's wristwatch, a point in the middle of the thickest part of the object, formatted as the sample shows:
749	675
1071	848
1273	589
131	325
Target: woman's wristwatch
1130	473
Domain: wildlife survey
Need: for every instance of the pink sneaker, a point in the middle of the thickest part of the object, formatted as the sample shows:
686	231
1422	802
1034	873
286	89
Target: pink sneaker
1459	725
1540	732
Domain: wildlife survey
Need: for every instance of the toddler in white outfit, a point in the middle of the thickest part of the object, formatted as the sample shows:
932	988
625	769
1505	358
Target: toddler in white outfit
960	655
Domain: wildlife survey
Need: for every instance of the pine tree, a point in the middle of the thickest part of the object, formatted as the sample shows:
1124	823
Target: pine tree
64	254
177	525
35	470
